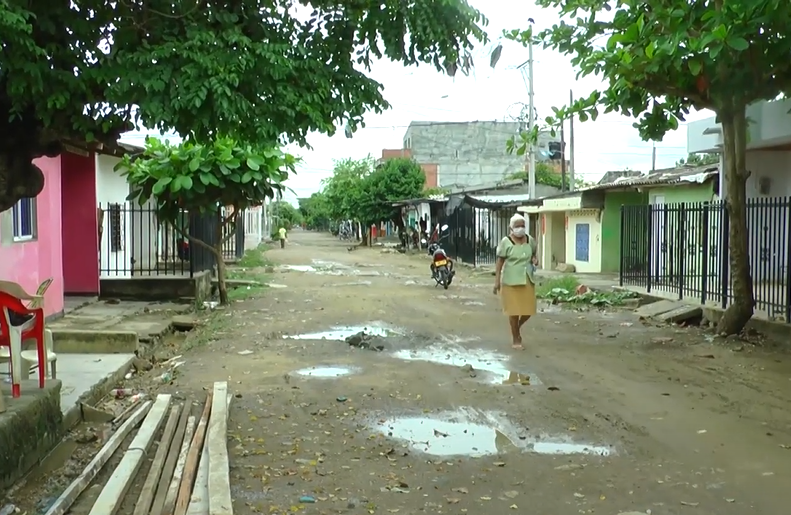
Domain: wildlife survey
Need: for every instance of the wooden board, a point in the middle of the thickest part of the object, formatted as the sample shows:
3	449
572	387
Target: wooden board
115	489
175	481
191	465
219	480
67	498
155	471
199	502
170	461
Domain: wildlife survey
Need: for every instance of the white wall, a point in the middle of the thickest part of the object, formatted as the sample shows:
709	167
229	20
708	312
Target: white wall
592	218
111	187
253	227
768	224
769	123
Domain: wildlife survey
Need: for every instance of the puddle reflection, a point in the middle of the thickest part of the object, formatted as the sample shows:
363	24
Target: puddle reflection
493	367
340	333
442	438
457	437
324	372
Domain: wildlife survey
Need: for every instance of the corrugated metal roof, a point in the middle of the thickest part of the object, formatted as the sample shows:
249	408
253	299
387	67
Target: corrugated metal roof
501	199
681	175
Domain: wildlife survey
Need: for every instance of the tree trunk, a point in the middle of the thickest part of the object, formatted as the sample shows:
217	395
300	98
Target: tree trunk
222	288
734	132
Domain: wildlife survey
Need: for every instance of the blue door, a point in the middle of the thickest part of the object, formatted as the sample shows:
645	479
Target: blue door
582	237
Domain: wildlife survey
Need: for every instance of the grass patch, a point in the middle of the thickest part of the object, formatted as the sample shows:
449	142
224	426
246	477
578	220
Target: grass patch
255	258
215	324
563	290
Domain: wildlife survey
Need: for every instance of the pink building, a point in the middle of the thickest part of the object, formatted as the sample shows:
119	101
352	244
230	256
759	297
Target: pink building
54	235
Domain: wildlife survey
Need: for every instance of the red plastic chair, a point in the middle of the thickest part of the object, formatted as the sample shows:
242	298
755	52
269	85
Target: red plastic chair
33	329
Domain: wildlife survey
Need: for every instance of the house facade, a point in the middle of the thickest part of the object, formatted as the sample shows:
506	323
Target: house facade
586	228
38	236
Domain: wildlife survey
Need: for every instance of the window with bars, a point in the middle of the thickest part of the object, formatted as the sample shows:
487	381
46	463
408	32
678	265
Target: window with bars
115	215
24	219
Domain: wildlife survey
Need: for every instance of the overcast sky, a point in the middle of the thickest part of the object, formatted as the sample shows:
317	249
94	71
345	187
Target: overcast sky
423	94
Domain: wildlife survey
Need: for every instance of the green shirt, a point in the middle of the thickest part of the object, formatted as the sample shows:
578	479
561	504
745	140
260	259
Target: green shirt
518	266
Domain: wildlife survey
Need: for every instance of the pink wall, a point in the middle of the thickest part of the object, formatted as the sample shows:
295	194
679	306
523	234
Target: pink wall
79	225
29	263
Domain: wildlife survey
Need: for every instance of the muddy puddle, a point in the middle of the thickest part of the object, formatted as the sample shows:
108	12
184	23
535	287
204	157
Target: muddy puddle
485	366
325	372
340	333
321	267
473	434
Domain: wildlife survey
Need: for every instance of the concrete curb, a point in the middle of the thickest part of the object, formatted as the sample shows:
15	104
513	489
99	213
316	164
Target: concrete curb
82	341
71	417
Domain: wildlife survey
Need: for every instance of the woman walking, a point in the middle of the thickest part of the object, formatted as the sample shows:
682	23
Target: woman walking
514	277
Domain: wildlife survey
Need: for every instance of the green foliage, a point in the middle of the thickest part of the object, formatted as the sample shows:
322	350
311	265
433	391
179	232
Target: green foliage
257	70
315	211
344	190
393	180
563	289
699	160
435	192
658	63
547	176
358	190
285	215
202	178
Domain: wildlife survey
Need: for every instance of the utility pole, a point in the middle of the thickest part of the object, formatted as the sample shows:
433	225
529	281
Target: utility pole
531	170
572	182
653	156
563	184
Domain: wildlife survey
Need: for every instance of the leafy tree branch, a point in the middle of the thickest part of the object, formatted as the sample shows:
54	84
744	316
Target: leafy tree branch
219	179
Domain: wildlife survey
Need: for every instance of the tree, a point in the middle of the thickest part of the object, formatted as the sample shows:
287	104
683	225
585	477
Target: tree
199	178
256	70
659	60
394	180
344	190
359	190
699	160
315	211
285	215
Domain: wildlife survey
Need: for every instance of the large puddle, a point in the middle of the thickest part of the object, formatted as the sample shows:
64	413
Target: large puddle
340	333
490	367
321	267
325	372
458	434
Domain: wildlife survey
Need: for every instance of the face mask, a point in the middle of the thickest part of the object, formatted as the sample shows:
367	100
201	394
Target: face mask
519	231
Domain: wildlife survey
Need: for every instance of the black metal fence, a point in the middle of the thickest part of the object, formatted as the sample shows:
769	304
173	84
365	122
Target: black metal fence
134	242
682	249
476	232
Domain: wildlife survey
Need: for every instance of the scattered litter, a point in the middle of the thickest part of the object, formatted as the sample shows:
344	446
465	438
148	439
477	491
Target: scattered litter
307	499
245	352
341	398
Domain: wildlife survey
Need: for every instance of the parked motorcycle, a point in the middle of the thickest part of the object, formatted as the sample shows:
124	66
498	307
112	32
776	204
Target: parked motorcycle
441	265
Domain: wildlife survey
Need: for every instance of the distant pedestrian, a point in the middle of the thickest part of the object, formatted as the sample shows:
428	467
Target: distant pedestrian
282	233
515	277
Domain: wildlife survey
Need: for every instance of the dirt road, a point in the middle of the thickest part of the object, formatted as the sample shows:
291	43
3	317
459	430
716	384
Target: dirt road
600	414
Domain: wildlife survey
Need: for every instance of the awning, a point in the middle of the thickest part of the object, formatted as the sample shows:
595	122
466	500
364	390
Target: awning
549	205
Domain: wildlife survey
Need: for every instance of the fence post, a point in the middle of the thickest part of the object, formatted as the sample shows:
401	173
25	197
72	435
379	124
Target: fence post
681	234
624	240
650	244
785	216
704	239
240	233
725	254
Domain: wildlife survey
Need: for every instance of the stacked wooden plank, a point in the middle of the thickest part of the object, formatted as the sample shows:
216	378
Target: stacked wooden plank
188	473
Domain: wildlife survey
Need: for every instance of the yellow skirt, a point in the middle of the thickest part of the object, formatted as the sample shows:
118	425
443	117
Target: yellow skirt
519	301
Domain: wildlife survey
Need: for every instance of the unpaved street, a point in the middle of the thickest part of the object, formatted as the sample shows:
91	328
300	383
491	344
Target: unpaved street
600	414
